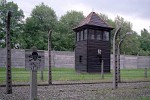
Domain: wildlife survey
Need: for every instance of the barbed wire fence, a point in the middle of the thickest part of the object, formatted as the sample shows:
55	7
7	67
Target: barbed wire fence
133	69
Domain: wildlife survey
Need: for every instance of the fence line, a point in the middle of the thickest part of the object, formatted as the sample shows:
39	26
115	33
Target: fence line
66	59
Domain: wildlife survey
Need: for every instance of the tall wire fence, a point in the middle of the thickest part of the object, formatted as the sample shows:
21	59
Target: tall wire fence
133	69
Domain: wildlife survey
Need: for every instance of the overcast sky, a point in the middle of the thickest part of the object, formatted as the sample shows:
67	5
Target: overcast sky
135	11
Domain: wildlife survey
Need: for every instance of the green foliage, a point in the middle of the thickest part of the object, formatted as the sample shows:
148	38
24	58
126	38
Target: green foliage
64	36
133	44
145	40
44	17
109	21
16	23
34	32
143	53
42	20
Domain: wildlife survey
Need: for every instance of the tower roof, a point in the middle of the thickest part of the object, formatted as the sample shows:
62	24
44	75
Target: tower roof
93	20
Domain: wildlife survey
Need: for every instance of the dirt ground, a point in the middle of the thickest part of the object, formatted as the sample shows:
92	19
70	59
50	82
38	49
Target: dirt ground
102	91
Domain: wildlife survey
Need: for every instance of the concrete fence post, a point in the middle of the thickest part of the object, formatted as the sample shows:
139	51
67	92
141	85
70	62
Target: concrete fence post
145	72
49	57
137	61
42	75
102	69
124	60
8	54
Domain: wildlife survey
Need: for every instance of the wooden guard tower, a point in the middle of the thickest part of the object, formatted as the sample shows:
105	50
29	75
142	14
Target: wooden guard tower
92	44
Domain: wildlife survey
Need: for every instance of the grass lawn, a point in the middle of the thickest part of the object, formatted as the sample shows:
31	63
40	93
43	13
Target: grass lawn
69	74
145	98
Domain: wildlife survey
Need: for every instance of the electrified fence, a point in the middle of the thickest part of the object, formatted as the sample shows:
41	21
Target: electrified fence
133	68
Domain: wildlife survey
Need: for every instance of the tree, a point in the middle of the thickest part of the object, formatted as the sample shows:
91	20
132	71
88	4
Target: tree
126	26
108	20
66	23
42	20
16	23
145	42
131	44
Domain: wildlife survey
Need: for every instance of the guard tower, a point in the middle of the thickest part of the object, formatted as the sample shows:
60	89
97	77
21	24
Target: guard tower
92	44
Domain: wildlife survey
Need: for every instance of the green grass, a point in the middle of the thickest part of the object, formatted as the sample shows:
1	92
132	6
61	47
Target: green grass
69	74
144	98
134	74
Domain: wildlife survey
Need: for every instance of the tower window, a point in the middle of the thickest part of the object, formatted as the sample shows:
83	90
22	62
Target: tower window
82	35
99	35
80	59
92	35
77	36
85	34
106	36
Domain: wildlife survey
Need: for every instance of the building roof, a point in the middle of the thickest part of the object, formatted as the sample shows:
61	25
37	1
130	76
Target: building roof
93	20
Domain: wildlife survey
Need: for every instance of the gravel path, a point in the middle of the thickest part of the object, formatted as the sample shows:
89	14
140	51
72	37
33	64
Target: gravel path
103	91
